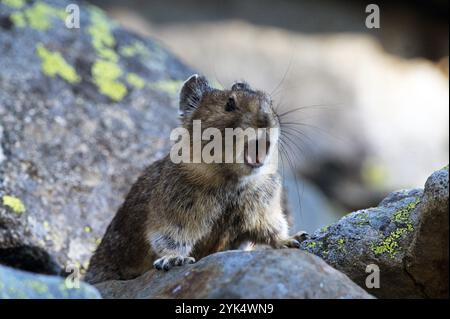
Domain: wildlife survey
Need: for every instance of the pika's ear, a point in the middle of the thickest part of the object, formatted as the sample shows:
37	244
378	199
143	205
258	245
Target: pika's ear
192	92
241	86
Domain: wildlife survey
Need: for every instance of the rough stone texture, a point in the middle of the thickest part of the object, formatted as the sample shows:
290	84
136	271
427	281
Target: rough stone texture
287	273
16	284
72	140
406	236
427	258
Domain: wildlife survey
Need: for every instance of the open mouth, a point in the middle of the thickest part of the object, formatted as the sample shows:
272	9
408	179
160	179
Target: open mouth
255	152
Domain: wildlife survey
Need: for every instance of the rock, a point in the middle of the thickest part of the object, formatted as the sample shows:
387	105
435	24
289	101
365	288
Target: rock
286	273
406	236
16	284
2	156
427	258
82	112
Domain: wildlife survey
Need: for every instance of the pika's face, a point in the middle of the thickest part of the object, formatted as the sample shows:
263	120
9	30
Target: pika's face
240	119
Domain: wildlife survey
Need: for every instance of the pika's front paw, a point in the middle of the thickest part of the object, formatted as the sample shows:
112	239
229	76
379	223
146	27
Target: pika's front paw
301	236
293	241
287	243
167	262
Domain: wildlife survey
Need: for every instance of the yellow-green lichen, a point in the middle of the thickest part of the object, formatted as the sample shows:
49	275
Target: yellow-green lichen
362	218
39	16
87	229
402	219
325	229
311	245
101	36
105	71
135	80
171	87
105	75
445	167
39	287
14	203
389	244
14	3
403	215
53	64
136	48
18	19
17	294
340	243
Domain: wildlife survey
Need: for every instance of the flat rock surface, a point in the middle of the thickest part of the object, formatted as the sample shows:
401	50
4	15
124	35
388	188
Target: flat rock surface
287	273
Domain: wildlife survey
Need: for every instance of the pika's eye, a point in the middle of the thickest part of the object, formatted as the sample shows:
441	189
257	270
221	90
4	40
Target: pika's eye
231	105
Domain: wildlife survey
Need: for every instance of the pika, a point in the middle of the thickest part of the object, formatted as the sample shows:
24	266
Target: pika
177	213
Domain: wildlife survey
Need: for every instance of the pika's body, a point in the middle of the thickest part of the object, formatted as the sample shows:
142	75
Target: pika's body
177	213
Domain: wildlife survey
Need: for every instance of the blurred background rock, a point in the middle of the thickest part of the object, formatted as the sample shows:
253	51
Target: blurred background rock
375	101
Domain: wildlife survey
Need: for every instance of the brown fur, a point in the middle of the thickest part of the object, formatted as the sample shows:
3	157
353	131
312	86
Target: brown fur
178	211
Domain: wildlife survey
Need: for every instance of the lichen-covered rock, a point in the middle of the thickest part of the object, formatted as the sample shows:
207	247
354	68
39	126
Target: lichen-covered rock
16	284
82	111
406	236
287	273
427	257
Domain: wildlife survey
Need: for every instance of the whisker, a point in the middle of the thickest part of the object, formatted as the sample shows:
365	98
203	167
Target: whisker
291	166
319	129
308	107
301	150
296	130
284	75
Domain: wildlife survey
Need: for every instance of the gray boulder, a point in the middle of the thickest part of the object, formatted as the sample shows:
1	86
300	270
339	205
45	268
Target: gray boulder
287	273
406	237
16	284
82	112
